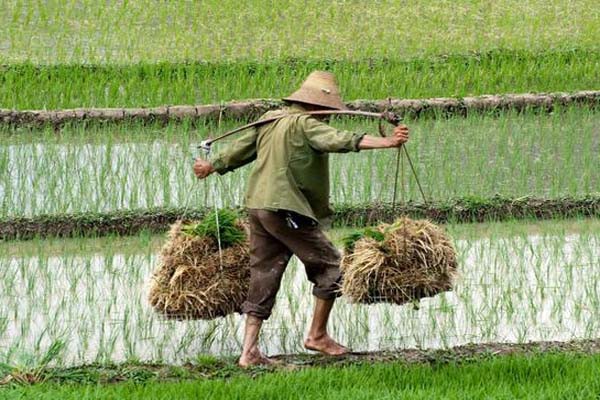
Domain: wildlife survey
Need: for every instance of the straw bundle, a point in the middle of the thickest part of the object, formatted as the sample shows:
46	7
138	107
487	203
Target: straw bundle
398	263
194	280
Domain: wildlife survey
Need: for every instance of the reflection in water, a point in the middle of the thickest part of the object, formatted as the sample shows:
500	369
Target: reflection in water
512	289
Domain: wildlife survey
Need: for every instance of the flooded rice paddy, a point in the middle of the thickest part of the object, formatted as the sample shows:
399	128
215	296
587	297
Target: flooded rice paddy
519	283
105	168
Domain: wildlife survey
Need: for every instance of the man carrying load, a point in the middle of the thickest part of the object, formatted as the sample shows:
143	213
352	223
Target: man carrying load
287	195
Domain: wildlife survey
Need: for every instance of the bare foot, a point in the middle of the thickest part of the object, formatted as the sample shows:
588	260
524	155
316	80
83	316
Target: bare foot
326	345
254	358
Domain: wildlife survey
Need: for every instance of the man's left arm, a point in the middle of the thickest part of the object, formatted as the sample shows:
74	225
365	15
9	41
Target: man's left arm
325	138
237	154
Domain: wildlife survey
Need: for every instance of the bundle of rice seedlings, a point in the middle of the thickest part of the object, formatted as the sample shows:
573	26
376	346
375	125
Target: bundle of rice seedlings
398	263
194	280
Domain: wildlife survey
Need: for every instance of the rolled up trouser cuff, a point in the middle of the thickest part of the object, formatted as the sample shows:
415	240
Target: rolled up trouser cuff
256	310
326	294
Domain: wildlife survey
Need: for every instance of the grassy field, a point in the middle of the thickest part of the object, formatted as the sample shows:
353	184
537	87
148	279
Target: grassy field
65	54
31	86
520	282
103	168
84	32
550	376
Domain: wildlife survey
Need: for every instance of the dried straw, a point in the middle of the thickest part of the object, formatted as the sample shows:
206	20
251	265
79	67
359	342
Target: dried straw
193	281
415	259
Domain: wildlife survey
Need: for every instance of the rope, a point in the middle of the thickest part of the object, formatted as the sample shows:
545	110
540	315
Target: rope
403	202
400	170
402	150
215	202
188	197
398	159
214	187
412	168
402	173
214	194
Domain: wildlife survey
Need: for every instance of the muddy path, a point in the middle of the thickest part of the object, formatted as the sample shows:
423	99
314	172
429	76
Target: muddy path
252	109
216	368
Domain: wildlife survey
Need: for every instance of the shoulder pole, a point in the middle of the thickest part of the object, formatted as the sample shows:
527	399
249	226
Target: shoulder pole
387	116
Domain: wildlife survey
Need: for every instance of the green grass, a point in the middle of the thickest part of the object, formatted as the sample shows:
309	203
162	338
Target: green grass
102	168
554	376
84	32
66	54
31	86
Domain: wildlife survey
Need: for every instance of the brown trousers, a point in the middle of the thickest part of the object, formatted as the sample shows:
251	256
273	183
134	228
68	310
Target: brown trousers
272	243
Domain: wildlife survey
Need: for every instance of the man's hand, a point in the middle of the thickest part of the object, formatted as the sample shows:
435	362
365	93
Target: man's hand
399	136
202	168
397	139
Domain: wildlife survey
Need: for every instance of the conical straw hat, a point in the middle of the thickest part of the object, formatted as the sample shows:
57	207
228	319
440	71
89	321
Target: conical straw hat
320	89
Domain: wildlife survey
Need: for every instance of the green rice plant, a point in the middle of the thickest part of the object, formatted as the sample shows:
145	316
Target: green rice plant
209	336
221	225
105	167
349	240
449	375
520	282
150	84
88	32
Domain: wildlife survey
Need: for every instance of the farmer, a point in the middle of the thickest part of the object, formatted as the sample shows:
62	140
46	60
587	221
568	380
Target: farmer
287	196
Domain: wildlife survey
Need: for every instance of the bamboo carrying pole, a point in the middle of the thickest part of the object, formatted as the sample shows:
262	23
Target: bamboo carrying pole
390	117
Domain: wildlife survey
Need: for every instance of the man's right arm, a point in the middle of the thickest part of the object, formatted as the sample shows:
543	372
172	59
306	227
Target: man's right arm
237	154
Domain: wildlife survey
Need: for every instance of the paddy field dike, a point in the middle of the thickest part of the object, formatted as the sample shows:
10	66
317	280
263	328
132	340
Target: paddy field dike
508	160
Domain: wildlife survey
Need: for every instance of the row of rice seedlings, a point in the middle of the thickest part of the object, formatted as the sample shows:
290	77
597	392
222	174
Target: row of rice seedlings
514	287
92	32
105	168
27	86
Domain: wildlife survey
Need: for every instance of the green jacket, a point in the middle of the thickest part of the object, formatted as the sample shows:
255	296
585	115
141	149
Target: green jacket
292	168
